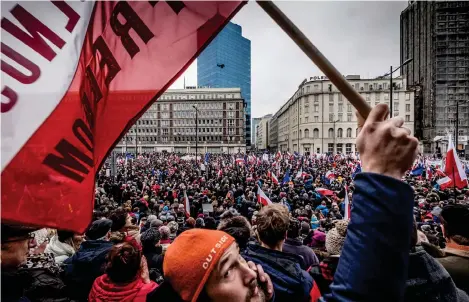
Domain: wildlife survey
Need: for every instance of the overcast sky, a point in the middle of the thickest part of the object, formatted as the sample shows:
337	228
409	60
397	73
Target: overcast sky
357	37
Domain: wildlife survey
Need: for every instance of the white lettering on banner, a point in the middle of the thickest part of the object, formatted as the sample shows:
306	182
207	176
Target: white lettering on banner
213	251
41	44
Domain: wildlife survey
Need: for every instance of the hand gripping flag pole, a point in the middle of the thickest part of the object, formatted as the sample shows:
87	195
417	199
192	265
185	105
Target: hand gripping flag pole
316	56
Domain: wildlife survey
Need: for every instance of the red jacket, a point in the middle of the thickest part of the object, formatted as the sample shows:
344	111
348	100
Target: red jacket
105	290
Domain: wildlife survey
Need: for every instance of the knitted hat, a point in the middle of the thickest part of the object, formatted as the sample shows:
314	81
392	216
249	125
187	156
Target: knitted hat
336	236
191	258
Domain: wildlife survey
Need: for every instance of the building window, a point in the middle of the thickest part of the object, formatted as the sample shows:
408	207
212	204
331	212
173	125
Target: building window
339	132
306	133
349	117
331	117
339	148
341	108
306	119
348	148
386	96
349	132
407	96
396	96
331	97
407	107
316	119
316	108
339	117
349	107
331	107
407	118
330	148
330	133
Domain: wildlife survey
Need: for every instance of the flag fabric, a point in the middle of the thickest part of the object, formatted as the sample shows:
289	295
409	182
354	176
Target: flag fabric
324	192
274	178
286	178
262	198
207	157
417	170
75	95
444	182
453	167
240	161
265	157
220	173
330	175
187	207
439	172
428	173
299	174
278	155
348	208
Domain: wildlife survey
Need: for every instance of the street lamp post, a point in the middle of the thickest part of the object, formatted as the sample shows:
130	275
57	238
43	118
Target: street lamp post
196	132
391	71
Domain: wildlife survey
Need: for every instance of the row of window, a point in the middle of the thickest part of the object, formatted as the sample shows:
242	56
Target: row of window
199	96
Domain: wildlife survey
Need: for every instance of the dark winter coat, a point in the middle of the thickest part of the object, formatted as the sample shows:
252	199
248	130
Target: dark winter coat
428	281
291	283
295	246
85	266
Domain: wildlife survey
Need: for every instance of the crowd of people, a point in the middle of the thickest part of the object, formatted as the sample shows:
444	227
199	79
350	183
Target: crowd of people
172	227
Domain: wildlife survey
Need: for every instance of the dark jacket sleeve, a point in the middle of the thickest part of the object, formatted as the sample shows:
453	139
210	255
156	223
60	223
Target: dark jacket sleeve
374	260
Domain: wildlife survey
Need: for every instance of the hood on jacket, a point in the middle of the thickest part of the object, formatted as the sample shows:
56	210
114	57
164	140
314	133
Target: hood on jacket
60	250
289	280
105	290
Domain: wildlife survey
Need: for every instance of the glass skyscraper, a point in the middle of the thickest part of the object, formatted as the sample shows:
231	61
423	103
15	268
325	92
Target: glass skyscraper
226	63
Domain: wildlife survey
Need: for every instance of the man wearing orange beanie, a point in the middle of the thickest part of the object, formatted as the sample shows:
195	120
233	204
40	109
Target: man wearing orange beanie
205	265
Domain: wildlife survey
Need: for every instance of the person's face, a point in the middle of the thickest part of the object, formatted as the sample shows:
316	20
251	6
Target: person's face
233	280
15	251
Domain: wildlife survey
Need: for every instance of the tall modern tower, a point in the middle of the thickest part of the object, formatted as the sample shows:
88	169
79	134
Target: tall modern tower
435	34
226	63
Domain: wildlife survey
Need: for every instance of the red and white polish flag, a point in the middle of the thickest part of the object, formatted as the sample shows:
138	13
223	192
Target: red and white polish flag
61	63
454	168
262	198
274	178
187	207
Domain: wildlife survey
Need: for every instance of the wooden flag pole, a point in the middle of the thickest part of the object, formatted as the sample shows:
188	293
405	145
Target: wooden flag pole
316	56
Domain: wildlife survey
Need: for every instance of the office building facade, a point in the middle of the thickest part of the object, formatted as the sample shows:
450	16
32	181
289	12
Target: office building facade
435	34
226	63
319	119
262	133
170	123
255	122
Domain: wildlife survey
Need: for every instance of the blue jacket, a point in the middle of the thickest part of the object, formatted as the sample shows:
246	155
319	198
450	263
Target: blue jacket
84	267
374	262
291	283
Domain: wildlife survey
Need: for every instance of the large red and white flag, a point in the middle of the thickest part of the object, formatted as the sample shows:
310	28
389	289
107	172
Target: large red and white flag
262	198
274	178
187	207
453	167
69	72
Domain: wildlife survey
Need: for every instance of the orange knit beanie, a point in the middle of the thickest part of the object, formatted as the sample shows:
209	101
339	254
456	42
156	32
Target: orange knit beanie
190	259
